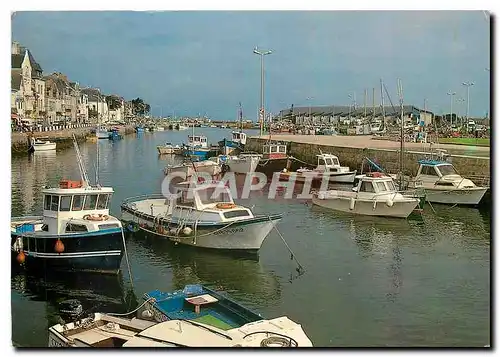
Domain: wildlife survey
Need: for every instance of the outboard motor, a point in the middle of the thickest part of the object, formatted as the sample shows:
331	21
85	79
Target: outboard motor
70	310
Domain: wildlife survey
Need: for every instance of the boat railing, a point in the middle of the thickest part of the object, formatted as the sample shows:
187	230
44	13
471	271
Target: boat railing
26	219
143	197
480	180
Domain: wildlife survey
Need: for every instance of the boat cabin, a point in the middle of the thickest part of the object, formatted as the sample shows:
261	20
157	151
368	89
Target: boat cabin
329	163
374	183
440	174
213	201
197	141
274	151
239	137
74	208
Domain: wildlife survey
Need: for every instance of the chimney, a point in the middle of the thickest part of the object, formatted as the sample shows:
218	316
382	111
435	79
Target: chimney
15	48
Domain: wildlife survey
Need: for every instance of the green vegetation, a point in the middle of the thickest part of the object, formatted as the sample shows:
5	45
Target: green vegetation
465	141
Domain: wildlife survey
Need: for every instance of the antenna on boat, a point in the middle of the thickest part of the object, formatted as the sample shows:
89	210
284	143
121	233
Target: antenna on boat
81	165
241	119
401	162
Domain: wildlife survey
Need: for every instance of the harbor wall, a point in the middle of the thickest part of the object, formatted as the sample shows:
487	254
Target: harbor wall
468	166
63	137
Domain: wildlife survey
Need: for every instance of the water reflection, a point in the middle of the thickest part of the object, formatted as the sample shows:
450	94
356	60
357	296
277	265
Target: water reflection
240	275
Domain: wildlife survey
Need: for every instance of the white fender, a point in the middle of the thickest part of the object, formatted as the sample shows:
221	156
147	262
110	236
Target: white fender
352	203
187	231
389	202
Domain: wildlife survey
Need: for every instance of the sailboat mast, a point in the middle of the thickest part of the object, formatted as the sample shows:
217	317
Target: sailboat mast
382	100
401	162
241	119
373	105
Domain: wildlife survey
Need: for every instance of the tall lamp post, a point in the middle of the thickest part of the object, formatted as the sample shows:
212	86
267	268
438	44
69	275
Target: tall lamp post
468	85
461	100
451	94
261	109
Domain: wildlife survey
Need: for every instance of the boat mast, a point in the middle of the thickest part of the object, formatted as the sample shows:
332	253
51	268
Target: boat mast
401	162
81	165
373	105
382	100
241	119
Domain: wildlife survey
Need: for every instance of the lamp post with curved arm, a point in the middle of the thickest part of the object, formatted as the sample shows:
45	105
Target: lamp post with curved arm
261	109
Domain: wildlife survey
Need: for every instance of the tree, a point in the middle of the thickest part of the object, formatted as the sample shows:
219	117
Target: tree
139	107
113	102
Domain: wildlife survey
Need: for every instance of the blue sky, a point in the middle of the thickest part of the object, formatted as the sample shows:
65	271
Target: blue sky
202	62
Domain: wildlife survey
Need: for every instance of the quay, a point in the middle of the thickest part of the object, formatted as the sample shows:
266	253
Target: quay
471	162
63	136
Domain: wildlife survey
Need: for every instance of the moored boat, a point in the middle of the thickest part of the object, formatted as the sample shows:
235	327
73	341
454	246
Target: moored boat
201	215
168	148
193	317
374	195
188	169
75	231
243	163
41	144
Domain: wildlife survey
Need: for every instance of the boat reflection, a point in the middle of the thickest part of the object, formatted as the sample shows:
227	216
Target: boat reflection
96	292
238	274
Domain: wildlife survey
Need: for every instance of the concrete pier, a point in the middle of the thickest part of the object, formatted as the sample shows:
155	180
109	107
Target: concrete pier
352	149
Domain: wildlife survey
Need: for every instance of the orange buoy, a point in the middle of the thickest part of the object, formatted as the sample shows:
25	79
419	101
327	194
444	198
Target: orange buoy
59	247
21	257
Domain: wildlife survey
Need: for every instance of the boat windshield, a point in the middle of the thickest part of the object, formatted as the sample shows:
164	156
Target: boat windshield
447	170
390	186
214	195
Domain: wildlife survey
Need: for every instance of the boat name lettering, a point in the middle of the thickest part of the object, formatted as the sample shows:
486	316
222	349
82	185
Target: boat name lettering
54	343
229	231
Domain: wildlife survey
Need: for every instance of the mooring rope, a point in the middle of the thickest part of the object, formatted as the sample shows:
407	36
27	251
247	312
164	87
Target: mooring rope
300	269
126	258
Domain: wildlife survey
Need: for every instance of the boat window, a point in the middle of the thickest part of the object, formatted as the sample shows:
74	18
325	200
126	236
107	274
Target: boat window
238	213
447	170
390	186
328	161
213	195
282	148
273	148
54	203
71	227
77	203
444	183
45	228
204	140
185	199
428	170
102	201
90	202
266	149
65	203
109	225
190	138
366	186
46	204
336	161
380	186
321	162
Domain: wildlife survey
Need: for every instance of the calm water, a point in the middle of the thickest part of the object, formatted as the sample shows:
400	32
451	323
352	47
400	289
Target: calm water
368	281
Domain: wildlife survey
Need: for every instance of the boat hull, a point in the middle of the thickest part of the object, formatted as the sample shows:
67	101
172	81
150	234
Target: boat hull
344	177
100	251
44	147
203	153
471	196
244	235
243	166
165	150
399	209
102	134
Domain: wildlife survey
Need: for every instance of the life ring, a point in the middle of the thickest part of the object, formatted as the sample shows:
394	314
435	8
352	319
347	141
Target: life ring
275	341
225	205
96	217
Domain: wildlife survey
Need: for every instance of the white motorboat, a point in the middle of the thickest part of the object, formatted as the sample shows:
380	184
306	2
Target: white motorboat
193	317
202	215
188	169
442	184
374	195
168	148
101	133
40	144
243	163
328	169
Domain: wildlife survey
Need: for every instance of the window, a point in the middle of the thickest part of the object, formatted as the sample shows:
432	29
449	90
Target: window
77	203
45	228
321	162
213	195
266	149
336	162
54	203
447	170
273	148
90	202
428	170
380	186
108	226
238	213
186	199
282	148
439	183
204	140
102	201
70	227
46	204
65	203
390	186
328	161
366	187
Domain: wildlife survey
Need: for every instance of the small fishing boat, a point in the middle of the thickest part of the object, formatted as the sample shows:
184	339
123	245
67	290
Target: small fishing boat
188	169
238	139
168	148
193	317
374	195
114	134
101	133
443	184
41	144
199	214
75	231
328	168
243	163
139	129
197	146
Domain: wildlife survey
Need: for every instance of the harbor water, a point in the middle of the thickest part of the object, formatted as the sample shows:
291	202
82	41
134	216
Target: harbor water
368	282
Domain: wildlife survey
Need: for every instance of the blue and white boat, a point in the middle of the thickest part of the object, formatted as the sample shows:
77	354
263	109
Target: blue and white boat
197	146
101	133
114	134
75	231
139	129
195	316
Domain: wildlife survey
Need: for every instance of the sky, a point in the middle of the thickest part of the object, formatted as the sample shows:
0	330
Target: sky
191	63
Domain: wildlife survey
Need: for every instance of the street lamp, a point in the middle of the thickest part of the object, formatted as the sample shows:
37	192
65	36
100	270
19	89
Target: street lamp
261	109
451	94
308	99
468	85
461	100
